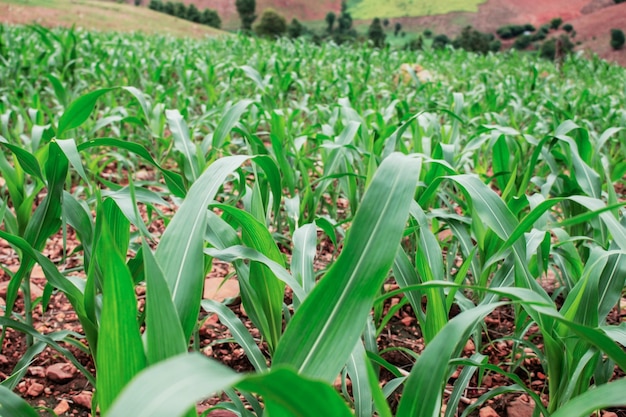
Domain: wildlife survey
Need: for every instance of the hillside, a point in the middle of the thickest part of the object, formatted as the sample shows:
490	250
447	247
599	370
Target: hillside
98	15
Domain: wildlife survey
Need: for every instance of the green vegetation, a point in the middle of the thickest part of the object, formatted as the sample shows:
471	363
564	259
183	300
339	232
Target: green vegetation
617	39
247	13
376	33
207	17
369	9
111	16
339	197
271	24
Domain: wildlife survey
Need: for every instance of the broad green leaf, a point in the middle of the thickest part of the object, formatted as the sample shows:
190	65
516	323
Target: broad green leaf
324	330
287	394
424	387
173	180
11	405
184	144
269	290
239	331
120	349
164	334
228	121
604	396
304	250
180	251
79	110
171	387
69	148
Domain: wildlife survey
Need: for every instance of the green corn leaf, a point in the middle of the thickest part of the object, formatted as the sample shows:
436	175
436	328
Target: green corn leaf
605	396
239	332
269	290
27	161
324	330
120	349
184	144
361	390
169	388
164	334
69	148
79	110
180	251
284	391
173	180
12	405
228	121
304	250
424	386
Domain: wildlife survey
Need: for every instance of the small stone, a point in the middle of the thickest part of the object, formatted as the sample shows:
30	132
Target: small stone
62	407
60	372
219	290
37	371
469	347
35	389
3	360
83	399
487	412
521	407
609	414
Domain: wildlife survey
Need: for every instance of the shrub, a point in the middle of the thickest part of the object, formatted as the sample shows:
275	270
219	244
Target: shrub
428	33
513	31
522	42
376	33
617	39
193	14
180	10
555	23
495	45
568	27
386	22
619	1
549	48
397	28
210	17
246	10
330	20
440	41
295	29
472	40
156	5
529	28
271	24
168	8
416	44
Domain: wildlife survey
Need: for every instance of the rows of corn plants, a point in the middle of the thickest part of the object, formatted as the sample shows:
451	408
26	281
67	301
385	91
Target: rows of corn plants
466	192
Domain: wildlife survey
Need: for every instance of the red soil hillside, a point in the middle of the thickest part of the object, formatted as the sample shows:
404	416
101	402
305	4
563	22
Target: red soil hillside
301	9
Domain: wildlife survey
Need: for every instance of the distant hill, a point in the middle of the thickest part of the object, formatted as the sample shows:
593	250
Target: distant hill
98	15
592	19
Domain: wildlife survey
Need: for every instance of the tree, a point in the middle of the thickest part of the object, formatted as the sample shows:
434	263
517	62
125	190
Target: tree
376	33
385	22
330	20
295	29
397	28
440	41
193	14
345	22
246	9
210	17
472	40
555	23
271	24
168	8
416	44
428	33
568	27
180	10
617	39
556	48
156	5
